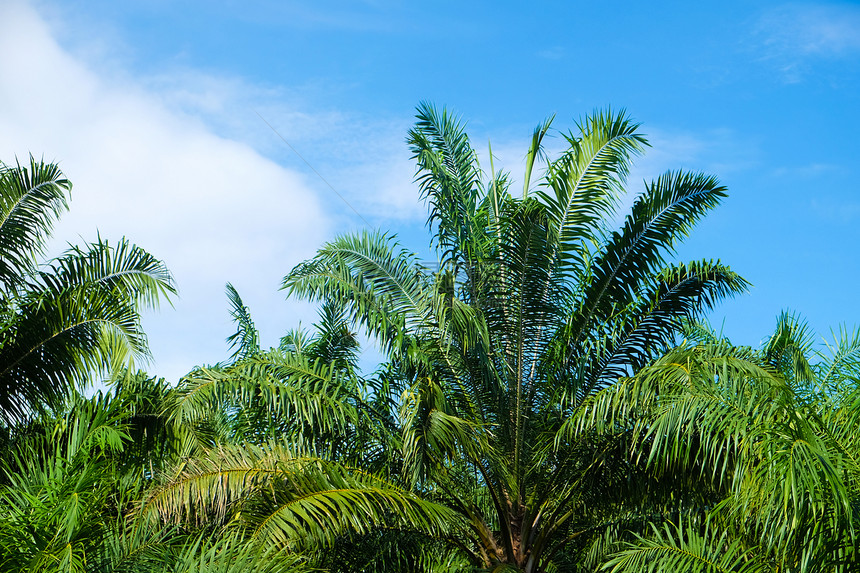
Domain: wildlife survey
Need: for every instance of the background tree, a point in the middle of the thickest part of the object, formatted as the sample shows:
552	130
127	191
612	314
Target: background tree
70	487
768	433
63	320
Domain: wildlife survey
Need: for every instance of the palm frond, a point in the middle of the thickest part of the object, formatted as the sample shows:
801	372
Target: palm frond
433	435
31	200
55	481
685	548
680	294
333	343
383	289
124	269
449	180
246	339
287	500
536	151
585	184
839	369
659	218
232	554
287	387
789	348
58	339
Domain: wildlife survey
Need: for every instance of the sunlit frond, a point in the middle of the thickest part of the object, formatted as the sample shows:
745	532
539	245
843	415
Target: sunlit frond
246	339
123	269
686	548
585	184
31	199
449	180
288	500
381	287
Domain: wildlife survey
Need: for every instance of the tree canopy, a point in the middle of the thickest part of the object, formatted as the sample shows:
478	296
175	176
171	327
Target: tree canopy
535	306
551	398
64	319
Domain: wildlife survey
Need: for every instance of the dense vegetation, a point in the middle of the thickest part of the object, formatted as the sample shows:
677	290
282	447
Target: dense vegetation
551	398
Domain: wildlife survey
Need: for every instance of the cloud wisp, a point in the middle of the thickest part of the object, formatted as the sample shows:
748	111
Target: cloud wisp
794	37
213	207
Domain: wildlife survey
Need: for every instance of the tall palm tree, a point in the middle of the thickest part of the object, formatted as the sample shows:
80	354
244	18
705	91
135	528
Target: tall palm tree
536	305
64	319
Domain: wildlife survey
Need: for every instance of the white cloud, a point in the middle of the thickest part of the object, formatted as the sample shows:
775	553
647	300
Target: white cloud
808	171
835	211
805	29
793	36
213	208
553	53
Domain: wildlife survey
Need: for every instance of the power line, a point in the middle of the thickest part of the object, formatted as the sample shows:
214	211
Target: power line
312	169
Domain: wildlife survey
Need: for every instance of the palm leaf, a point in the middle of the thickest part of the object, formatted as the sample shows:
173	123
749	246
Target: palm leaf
31	200
80	316
292	501
449	180
585	184
246	339
680	294
125	269
659	218
683	548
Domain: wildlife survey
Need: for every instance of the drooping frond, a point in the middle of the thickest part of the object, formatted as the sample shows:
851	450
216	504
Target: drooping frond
659	219
287	386
725	416
433	435
686	548
56	341
125	270
381	288
680	294
287	500
81	318
230	554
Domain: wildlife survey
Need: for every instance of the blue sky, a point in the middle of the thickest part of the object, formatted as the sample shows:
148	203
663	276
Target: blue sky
151	109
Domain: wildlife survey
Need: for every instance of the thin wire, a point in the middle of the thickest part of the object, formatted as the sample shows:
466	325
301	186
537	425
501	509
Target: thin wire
312	168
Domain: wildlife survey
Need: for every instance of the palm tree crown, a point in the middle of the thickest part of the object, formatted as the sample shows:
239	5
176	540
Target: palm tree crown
536	306
461	436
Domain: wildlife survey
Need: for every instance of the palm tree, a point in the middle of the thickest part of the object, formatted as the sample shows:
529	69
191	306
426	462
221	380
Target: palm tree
64	319
70	484
770	433
536	306
297	411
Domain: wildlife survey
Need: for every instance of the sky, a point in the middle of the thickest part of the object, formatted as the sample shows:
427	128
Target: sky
212	133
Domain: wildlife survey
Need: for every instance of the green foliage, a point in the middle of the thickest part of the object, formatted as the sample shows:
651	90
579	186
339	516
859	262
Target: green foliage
246	339
535	307
763	433
536	411
73	316
684	548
